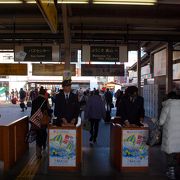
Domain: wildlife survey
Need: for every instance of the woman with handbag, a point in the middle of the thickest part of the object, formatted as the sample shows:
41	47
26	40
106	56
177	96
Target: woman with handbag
41	132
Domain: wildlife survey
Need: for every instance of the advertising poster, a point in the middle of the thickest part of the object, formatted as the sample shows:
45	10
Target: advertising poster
134	148
62	147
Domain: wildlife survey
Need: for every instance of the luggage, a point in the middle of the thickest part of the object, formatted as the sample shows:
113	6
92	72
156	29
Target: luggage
14	100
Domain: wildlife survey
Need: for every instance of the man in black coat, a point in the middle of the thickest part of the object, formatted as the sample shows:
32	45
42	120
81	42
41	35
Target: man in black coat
131	108
66	105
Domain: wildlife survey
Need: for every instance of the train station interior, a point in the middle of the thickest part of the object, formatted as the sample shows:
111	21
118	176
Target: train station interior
99	45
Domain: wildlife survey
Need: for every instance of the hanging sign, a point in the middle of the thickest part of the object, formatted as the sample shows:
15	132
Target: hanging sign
13	69
104	54
102	70
38	53
50	69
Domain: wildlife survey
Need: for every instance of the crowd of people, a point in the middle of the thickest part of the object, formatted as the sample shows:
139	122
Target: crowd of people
96	105
92	106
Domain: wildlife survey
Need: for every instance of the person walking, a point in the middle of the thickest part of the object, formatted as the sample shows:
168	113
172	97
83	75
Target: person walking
169	119
94	112
22	97
41	133
108	98
66	106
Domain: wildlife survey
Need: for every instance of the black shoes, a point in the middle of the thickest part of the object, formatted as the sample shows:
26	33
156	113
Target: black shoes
92	140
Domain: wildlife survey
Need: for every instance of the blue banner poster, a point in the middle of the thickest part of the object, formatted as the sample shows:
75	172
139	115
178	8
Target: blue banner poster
62	148
134	148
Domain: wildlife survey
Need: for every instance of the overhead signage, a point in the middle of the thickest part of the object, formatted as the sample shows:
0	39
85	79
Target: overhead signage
49	12
102	70
38	53
13	69
104	54
51	69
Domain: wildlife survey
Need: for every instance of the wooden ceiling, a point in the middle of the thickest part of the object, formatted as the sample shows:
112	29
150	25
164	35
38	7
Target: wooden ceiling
92	24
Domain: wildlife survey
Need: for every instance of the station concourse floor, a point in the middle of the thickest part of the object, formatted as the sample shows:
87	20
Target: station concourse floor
95	159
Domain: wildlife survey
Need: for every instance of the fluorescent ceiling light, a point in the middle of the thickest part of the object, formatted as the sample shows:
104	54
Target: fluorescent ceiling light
17	1
123	3
10	2
31	2
73	1
127	2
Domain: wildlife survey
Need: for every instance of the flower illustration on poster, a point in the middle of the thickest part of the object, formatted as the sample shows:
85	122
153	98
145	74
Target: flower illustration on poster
62	147
134	148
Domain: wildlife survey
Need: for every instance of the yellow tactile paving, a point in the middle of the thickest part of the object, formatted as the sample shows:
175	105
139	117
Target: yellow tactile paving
30	169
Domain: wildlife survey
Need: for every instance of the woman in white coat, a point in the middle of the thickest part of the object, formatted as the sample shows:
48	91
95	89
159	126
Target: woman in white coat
170	120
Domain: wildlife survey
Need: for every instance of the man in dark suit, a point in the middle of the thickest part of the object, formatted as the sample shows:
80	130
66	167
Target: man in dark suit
66	105
131	108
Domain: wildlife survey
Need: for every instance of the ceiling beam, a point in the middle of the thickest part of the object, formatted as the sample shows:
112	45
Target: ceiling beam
88	37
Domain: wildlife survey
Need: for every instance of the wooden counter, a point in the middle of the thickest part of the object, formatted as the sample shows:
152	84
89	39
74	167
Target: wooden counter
12	144
128	149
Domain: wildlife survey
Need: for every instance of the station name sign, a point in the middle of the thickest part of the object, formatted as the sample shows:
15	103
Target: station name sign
102	70
104	54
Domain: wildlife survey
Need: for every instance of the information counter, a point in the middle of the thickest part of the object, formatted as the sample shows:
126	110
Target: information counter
128	149
65	152
12	141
